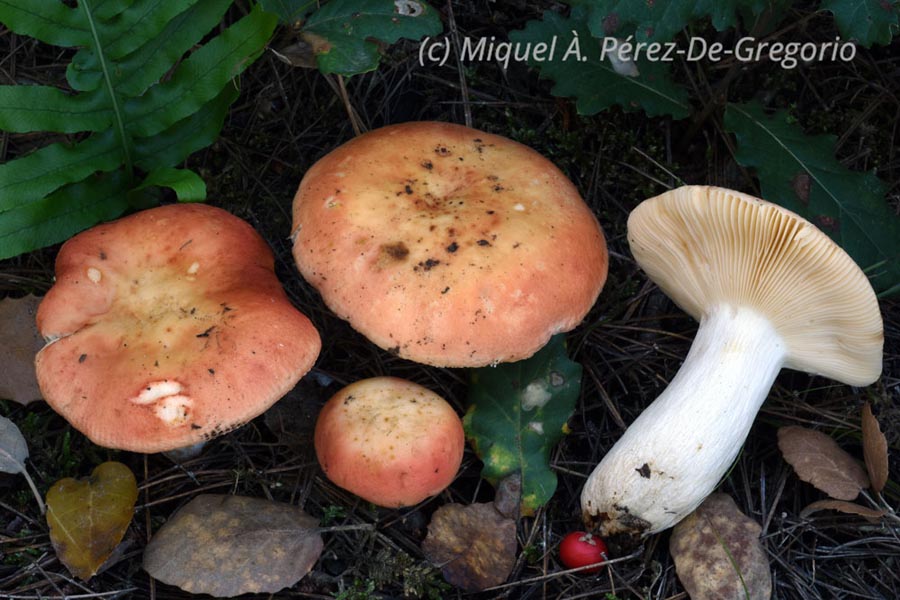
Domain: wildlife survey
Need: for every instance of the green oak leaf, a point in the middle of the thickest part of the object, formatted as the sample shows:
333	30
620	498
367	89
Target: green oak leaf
342	33
518	412
662	21
593	82
799	172
869	22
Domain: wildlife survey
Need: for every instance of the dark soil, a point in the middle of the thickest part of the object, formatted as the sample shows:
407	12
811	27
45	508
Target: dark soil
630	345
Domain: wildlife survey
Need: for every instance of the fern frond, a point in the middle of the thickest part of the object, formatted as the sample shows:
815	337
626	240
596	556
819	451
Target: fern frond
137	125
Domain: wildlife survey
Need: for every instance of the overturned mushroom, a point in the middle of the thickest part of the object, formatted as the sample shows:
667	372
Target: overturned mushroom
447	245
167	328
770	291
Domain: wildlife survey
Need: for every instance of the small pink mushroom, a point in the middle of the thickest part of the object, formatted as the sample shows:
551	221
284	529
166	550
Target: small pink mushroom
389	441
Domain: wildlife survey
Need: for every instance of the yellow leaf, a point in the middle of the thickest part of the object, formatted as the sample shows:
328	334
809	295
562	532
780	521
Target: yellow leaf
89	517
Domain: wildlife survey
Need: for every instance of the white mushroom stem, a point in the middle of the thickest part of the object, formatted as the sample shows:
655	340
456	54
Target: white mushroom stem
679	448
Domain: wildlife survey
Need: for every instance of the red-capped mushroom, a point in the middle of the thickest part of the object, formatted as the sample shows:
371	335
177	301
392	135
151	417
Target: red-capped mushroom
167	328
447	245
389	441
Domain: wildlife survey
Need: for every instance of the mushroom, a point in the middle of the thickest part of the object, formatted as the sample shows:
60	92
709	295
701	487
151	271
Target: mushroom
389	441
167	328
447	245
770	291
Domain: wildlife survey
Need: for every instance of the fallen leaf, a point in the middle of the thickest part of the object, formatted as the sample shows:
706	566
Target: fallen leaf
870	514
89	517
19	342
509	496
230	545
817	459
13	449
474	545
13	452
875	449
517	413
718	555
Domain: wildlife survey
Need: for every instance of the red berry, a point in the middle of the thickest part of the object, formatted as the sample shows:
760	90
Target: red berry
579	548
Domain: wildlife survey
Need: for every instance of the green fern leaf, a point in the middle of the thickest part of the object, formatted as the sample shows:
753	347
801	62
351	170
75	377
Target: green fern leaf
26	108
185	137
64	213
50	22
187	185
139	126
201	76
43	171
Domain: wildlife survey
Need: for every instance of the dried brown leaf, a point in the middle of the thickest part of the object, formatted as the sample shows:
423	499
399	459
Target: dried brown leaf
875	449
870	514
89	517
718	555
230	545
475	545
817	459
19	342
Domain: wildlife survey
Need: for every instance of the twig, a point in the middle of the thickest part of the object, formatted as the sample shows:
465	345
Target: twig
463	86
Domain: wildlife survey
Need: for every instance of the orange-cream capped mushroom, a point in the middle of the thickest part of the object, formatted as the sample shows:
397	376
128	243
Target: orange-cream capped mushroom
389	441
448	245
167	328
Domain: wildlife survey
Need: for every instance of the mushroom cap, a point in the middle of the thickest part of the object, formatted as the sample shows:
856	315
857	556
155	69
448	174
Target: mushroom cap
167	328
447	245
389	441
706	246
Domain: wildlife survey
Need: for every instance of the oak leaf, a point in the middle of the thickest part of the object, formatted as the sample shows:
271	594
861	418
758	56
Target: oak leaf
718	555
851	508
13	452
817	459
19	342
89	517
230	545
474	545
875	449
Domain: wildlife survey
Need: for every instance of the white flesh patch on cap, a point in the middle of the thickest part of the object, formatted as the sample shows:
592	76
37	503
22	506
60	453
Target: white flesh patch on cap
192	270
173	410
94	274
156	390
519	207
171	406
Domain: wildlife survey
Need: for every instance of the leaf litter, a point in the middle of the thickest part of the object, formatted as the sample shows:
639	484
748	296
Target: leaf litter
19	342
13	452
230	545
89	517
718	554
817	459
